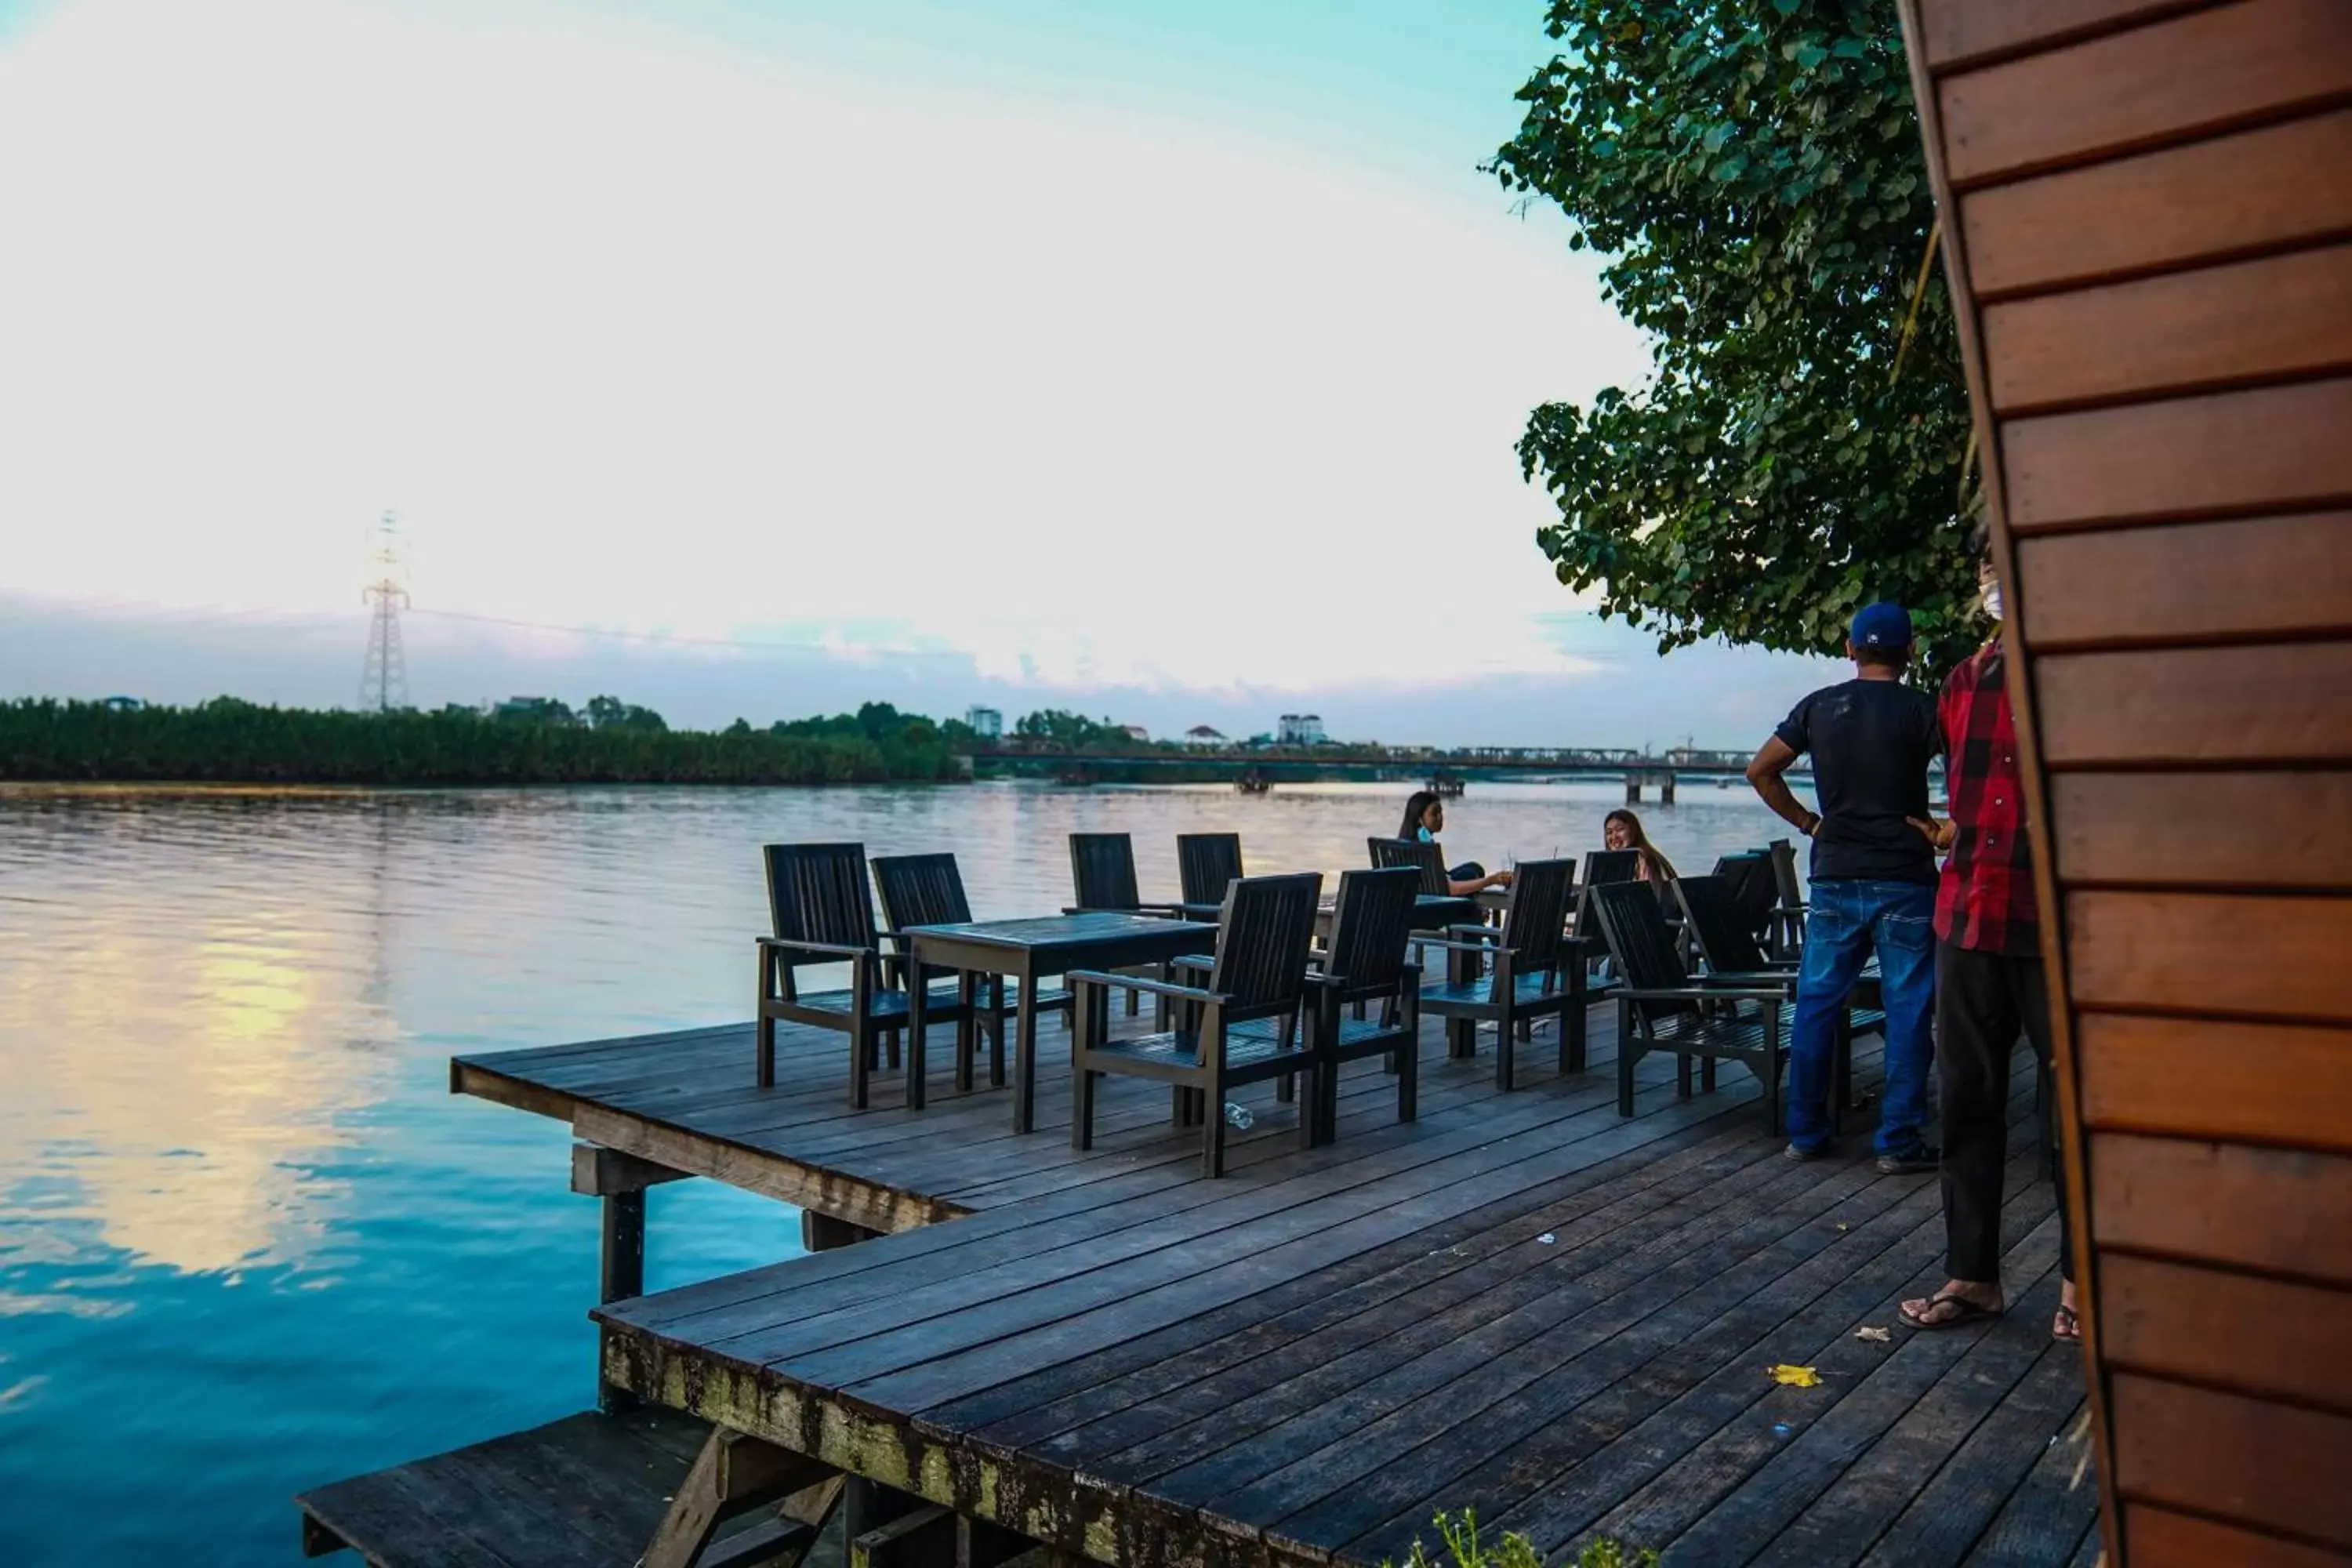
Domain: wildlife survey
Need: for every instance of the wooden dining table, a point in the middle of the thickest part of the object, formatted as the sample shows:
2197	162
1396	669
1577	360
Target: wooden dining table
1031	950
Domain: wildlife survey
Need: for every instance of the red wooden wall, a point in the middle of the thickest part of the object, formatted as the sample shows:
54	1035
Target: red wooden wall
2147	212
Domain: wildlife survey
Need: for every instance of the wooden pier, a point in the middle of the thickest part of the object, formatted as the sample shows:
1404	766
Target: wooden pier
1520	1303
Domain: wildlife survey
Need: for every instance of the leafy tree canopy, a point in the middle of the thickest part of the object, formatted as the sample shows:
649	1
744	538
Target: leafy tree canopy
612	714
1752	171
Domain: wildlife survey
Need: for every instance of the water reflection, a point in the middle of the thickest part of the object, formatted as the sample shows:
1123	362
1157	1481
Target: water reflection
244	1231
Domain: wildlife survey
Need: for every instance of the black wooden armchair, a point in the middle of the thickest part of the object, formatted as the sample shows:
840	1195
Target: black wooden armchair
823	908
1426	859
1660	1008
1244	1027
926	891
1102	877
1538	972
1206	864
1367	963
1721	929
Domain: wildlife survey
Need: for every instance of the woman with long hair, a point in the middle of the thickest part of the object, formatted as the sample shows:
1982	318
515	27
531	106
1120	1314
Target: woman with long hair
1425	819
1621	829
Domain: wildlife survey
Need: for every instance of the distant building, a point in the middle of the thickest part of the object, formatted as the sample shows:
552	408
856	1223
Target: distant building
1204	737
1135	733
987	723
1299	730
126	704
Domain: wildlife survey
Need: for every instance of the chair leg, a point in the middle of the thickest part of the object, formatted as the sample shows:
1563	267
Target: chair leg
1179	1107
1682	1076
1082	1108
1407	1085
896	1036
1707	1074
1506	1038
764	1070
861	1061
1311	1104
1212	1117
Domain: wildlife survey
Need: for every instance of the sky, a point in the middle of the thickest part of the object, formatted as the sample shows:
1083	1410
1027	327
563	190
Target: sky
1162	359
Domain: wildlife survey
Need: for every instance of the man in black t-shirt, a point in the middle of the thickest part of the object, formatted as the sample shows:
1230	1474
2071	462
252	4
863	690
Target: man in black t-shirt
1874	881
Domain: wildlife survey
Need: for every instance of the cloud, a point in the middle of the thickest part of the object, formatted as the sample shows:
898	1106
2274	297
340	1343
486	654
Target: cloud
638	329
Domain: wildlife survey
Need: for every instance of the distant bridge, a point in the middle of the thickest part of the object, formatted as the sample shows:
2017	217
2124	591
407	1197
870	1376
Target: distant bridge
1440	766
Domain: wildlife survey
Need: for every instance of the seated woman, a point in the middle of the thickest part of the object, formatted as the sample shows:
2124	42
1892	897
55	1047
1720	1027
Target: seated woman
1623	830
1425	819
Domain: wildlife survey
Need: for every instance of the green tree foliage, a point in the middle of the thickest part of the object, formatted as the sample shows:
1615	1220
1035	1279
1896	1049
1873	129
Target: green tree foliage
1074	732
1465	1548
1752	171
612	714
227	740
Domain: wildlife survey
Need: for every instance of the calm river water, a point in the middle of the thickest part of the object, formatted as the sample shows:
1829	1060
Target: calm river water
248	1242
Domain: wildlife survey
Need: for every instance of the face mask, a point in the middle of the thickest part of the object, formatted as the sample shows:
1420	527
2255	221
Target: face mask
1993	600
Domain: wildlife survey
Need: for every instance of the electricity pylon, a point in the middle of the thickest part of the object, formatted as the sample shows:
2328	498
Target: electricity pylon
383	679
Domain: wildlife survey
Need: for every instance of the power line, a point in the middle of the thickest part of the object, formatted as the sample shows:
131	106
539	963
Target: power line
616	635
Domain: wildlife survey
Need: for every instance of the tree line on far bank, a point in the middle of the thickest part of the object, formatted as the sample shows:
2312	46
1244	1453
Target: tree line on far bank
542	740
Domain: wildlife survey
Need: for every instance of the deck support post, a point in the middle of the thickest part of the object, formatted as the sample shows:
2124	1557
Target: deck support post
732	1475
620	1182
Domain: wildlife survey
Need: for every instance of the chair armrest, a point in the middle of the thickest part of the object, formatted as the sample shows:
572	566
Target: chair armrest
1703	993
1150	987
1752	979
1162	911
828	949
1476	933
1487	949
1194	961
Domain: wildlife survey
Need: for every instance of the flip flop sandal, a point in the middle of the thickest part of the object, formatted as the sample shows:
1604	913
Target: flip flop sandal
2071	1334
1969	1312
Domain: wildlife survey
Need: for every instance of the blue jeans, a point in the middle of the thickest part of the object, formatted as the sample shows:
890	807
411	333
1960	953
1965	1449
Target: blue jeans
1846	921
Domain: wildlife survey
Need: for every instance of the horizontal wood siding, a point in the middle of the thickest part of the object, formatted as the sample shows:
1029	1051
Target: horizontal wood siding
2275	1464
2159	1538
2279	1083
2266	319
2236	454
2283	1211
2149	231
2259	579
2204	202
2170	80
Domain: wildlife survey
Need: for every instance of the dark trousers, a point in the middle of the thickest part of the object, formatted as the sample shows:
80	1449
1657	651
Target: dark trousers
1983	1002
1468	871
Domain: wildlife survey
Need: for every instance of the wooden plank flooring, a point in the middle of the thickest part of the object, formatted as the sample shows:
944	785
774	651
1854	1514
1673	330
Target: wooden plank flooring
1522	1303
585	1491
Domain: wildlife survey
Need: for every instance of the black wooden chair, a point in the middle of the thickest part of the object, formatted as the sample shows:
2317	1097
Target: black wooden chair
1206	864
1426	859
1539	973
927	890
823	908
1102	877
1367	962
1662	1008
1245	1026
1789	908
1719	927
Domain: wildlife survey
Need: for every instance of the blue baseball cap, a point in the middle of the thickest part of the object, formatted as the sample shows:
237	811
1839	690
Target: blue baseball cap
1881	627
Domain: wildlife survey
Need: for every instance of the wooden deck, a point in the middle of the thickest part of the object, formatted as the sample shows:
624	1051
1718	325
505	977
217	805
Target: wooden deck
1520	1303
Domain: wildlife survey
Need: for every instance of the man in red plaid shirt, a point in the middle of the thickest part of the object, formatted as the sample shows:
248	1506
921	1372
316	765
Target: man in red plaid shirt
1988	981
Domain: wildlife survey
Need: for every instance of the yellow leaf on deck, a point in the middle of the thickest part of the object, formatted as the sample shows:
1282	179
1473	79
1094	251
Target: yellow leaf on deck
1796	1376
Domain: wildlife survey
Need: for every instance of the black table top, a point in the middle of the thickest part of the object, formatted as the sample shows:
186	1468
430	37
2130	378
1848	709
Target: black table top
1067	931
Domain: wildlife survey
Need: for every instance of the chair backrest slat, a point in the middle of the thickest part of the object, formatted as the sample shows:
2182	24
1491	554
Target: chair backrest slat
1426	859
1641	942
1538	912
818	892
1784	872
1750	879
1717	920
1612	866
1371	927
921	890
1207	863
1102	872
1263	935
